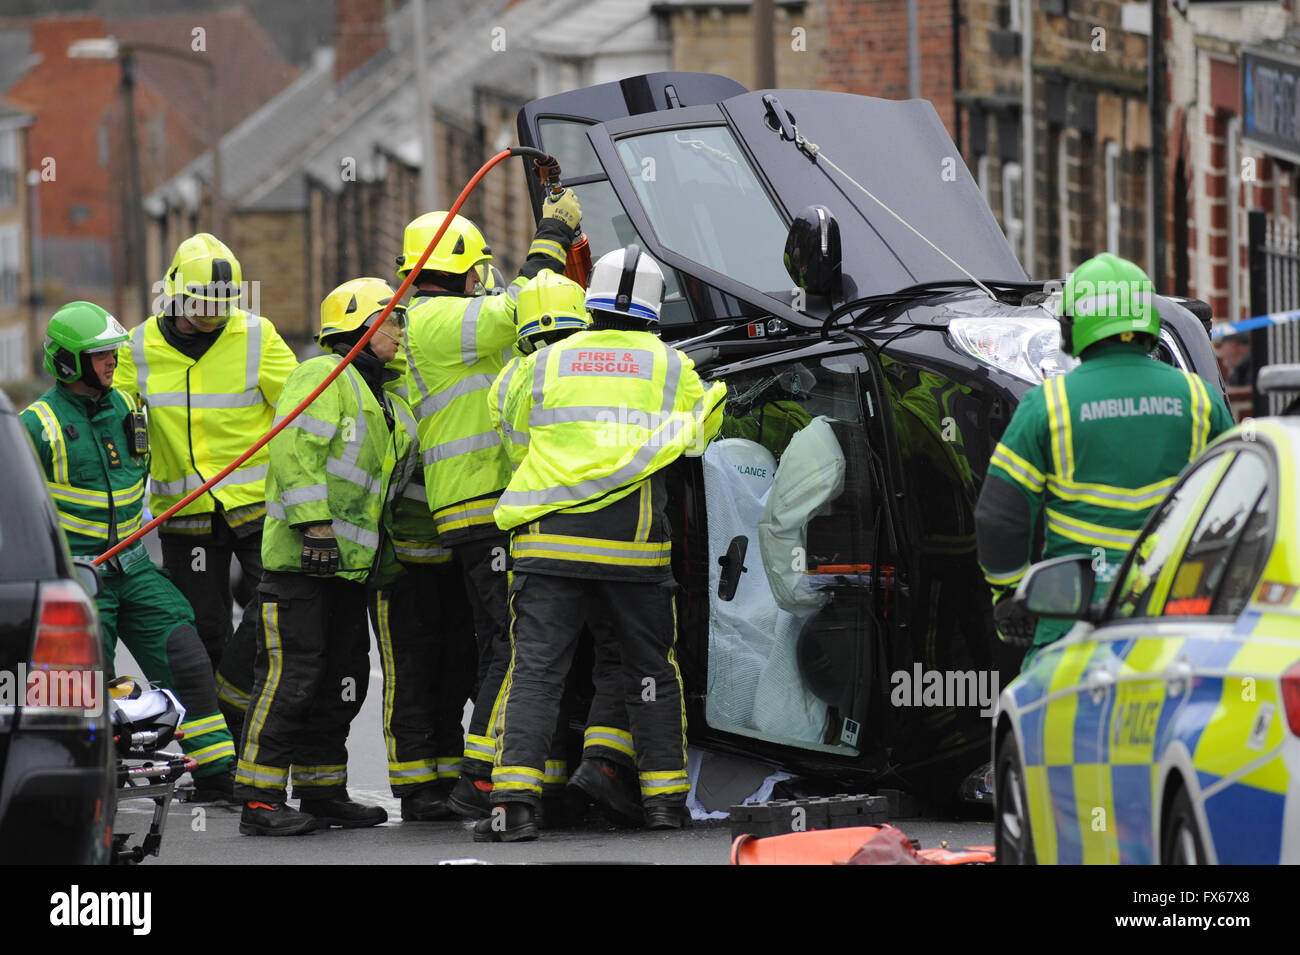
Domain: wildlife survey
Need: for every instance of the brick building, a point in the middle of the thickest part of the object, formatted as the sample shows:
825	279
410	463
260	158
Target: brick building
18	332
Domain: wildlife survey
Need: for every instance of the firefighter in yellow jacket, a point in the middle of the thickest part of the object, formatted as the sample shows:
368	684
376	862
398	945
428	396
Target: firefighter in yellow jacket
210	373
329	511
604	412
458	344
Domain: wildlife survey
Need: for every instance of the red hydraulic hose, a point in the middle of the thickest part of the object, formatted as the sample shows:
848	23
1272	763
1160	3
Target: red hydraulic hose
338	370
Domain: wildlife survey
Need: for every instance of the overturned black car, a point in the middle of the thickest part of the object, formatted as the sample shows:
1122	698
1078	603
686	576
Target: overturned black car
833	617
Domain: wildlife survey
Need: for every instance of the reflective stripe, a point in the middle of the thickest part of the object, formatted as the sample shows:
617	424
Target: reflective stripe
385	634
1087	533
263	777
611	738
183	399
253	349
1007	578
645	513
275	664
329	775
415	491
1018	468
454	449
556	773
592	414
664	783
593	549
594	487
548	247
305	422
1200	415
208	724
448	767
467	514
346	471
432	404
214	753
480	747
404	774
276	509
672	378
358	535
53	437
517	778
231	694
422	553
304	495
141	362
1108	495
81	495
1058	416
190	482
469	332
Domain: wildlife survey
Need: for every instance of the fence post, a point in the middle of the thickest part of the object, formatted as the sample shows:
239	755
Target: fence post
1257	231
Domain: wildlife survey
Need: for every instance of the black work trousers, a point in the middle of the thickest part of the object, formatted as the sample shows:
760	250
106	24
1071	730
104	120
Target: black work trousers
199	566
483	564
311	675
425	628
546	617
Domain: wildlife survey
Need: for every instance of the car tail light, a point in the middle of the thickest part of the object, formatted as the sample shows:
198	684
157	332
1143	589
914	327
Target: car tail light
66	634
1291	696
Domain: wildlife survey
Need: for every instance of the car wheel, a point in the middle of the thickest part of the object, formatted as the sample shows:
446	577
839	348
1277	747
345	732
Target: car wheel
1012	837
1180	838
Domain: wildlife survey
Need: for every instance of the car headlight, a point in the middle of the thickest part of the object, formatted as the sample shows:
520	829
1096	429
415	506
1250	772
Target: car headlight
1029	348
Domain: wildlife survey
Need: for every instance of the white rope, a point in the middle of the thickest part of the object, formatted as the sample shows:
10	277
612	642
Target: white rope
815	151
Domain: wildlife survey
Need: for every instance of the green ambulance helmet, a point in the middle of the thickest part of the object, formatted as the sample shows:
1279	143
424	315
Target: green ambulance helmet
1106	297
76	329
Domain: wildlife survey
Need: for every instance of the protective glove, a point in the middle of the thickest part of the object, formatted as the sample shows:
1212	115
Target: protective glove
565	208
320	553
1014	623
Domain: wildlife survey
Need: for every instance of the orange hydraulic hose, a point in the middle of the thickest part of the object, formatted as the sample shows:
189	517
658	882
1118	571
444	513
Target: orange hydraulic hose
347	360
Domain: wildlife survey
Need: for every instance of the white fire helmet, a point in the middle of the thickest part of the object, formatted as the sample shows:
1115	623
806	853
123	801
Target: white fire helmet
626	282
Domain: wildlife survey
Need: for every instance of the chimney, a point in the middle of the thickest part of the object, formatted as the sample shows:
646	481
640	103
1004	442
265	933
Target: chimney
359	33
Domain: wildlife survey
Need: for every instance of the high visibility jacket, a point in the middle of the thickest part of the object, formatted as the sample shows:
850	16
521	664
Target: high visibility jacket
415	537
503	409
603	411
334	464
203	414
1092	453
457	345
96	482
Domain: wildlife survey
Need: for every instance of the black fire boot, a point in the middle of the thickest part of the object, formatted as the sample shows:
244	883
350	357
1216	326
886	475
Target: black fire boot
666	812
511	822
343	813
274	819
610	785
471	797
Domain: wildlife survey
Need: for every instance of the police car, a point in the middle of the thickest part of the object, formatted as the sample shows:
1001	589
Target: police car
1163	727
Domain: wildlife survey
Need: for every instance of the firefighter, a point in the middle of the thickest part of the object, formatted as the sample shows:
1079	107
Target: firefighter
606	411
1090	453
327	531
210	373
550	309
93	446
458	344
424	624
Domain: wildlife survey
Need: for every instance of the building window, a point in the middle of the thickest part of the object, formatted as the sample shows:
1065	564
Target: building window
1063	205
1232	142
8	168
13	353
1013	207
1112	197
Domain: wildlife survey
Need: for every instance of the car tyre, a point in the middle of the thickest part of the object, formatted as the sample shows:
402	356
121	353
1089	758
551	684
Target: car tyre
1013	838
1180	837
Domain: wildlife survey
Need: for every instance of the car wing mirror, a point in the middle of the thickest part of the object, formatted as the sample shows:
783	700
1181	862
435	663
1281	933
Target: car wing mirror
812	253
88	574
733	565
1059	588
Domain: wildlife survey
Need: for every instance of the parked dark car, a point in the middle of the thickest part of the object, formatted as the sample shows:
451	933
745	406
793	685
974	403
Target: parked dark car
863	404
57	775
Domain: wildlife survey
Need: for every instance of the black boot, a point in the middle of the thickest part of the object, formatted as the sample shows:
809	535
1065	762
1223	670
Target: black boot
343	813
609	784
471	797
426	805
274	819
511	822
666	812
219	787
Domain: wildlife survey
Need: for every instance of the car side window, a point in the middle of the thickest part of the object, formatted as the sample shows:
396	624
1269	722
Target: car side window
1219	533
1142	580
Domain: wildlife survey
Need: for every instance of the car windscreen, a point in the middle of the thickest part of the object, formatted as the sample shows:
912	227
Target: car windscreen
28	540
705	202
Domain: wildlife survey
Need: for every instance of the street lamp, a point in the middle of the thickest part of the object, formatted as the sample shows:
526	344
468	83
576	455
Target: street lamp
110	48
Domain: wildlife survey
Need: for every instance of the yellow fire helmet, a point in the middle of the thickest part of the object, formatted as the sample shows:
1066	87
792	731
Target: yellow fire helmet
204	268
549	303
353	304
461	248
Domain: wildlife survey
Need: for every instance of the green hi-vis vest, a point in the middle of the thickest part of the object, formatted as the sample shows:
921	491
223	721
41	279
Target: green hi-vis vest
1095	450
203	414
456	347
96	483
601	411
335	464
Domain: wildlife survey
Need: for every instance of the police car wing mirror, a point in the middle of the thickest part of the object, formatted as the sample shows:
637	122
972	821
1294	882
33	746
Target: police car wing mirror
89	577
812	253
1061	588
733	565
